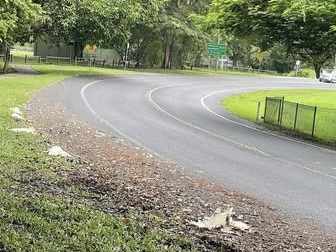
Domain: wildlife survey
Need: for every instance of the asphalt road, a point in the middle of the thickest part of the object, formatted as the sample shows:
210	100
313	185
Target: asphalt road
180	118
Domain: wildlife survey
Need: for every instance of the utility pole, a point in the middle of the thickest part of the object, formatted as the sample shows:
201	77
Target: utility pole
127	48
219	40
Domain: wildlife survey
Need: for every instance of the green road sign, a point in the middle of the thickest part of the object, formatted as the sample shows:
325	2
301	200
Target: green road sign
216	49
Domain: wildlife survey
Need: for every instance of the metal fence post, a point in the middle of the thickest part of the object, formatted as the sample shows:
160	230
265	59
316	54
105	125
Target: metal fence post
314	121
26	59
265	109
282	102
296	113
279	111
258	111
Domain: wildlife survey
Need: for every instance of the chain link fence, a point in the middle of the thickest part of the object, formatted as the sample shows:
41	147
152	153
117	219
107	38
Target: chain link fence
316	122
293	116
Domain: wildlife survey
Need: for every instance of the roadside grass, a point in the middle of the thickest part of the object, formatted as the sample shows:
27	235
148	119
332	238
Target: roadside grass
206	72
18	53
40	223
32	217
303	72
245	106
19	58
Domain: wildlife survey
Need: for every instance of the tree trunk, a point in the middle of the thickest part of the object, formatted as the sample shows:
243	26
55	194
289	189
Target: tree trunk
317	69
79	47
166	64
7	59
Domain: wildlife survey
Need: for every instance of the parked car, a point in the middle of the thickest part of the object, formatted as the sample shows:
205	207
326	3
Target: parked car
328	75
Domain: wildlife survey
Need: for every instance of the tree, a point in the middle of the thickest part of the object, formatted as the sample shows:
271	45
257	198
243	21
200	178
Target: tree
16	20
303	26
100	22
180	33
169	38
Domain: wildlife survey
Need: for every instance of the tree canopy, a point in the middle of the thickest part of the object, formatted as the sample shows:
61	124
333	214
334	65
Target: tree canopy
16	20
99	22
303	26
174	33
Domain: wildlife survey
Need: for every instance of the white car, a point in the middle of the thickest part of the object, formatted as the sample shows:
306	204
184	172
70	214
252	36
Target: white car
328	75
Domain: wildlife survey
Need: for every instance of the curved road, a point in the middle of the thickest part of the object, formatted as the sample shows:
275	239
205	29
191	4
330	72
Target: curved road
180	118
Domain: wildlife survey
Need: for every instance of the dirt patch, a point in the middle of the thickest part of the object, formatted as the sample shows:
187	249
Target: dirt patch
134	178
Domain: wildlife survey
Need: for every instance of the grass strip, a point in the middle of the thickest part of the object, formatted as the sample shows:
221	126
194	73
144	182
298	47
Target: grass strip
245	106
40	223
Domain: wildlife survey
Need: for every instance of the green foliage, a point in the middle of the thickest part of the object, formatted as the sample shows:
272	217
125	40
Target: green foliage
304	27
16	19
99	22
171	39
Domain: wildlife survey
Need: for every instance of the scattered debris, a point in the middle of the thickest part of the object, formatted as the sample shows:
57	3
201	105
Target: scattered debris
221	220
17	117
30	130
17	114
16	110
57	151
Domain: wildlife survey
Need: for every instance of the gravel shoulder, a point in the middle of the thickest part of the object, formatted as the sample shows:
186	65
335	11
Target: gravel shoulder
135	179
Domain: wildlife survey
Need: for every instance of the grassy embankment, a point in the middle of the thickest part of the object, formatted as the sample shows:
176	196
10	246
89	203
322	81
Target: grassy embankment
245	105
35	219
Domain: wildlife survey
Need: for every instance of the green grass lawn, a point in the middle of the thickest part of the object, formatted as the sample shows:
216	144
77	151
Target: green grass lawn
37	220
19	58
205	71
304	72
18	53
245	106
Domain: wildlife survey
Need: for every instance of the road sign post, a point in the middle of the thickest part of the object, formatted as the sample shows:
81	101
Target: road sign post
90	49
218	50
260	57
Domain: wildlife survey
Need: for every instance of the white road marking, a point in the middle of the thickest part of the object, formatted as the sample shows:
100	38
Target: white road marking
249	127
196	127
236	143
239	144
82	93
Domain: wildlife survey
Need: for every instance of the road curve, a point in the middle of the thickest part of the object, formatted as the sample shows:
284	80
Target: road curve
180	118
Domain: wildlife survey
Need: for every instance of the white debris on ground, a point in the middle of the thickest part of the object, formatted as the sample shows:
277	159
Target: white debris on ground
17	117
16	110
17	114
57	151
221	220
30	130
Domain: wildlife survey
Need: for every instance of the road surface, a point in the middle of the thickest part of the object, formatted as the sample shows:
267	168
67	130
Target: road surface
180	118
